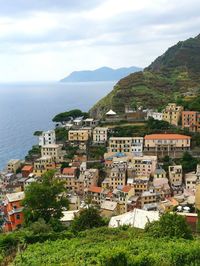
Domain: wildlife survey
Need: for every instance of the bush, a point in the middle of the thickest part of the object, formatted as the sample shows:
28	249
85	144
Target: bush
171	226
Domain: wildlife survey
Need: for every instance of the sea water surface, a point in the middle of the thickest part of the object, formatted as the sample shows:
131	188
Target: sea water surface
27	107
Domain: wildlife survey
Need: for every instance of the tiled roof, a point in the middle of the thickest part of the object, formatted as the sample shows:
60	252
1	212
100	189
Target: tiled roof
166	136
27	168
69	171
95	189
126	188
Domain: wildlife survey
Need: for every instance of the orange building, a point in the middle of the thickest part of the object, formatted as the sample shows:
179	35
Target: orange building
191	121
27	170
166	143
13	211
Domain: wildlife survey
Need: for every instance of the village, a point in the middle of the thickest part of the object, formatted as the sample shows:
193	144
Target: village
132	175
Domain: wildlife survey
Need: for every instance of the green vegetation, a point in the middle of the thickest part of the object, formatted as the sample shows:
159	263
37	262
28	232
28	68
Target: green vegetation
96	152
166	80
87	219
70	152
171	226
112	247
34	153
66	116
188	162
44	201
37	133
61	134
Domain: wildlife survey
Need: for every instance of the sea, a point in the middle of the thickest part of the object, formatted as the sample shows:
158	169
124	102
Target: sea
27	107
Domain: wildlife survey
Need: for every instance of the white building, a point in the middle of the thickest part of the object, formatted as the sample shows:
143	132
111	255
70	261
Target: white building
47	137
154	115
190	180
137	146
126	145
100	134
54	151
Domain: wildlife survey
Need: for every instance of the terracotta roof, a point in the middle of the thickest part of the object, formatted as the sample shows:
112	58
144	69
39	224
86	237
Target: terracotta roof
95	189
189	112
69	171
166	136
126	188
27	168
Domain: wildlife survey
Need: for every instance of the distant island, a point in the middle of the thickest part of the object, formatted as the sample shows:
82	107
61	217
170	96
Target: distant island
100	74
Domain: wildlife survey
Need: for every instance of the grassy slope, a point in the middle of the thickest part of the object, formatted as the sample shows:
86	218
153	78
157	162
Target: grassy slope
169	76
112	247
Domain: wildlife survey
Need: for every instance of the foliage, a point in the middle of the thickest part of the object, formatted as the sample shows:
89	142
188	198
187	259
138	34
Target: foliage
105	246
188	162
40	226
66	116
61	134
70	152
171	226
158	125
44	200
96	152
37	133
88	218
34	153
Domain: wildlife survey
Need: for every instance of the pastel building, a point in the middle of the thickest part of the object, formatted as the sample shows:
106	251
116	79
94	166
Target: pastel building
47	137
100	135
126	145
154	115
143	165
13	212
78	138
191	121
172	114
54	151
42	165
13	165
176	175
166	143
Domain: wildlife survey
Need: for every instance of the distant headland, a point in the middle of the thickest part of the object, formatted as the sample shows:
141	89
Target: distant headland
100	74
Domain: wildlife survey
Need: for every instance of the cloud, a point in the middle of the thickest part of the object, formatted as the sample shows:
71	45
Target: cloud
91	33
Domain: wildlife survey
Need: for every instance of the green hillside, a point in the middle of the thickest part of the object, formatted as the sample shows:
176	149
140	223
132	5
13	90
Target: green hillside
168	78
112	247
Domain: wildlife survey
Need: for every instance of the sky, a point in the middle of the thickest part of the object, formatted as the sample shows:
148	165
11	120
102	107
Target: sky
45	40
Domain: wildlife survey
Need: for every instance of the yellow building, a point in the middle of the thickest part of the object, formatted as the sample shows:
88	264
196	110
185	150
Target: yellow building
42	165
175	175
197	197
172	113
147	197
143	165
78	138
118	176
54	151
13	166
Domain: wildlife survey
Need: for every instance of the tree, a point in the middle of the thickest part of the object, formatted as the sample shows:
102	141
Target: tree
188	162
44	200
169	225
66	116
88	218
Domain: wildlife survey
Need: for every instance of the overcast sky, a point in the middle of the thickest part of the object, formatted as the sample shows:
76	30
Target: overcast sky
44	40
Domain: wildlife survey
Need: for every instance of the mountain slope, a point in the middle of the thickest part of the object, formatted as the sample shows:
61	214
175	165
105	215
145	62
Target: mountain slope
100	74
171	75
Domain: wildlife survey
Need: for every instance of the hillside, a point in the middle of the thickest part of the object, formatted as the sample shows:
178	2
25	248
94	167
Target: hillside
112	247
175	72
100	74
